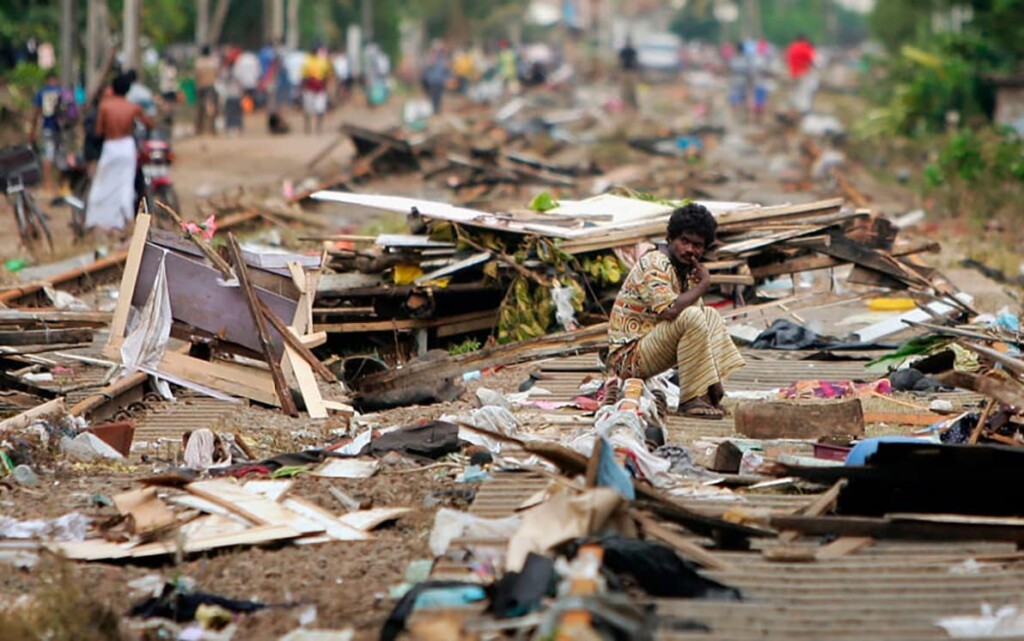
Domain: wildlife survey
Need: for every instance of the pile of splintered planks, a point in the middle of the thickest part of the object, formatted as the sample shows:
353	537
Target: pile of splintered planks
243	330
452	273
218	513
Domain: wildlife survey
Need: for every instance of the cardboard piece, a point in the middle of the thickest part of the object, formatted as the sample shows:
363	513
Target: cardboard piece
564	516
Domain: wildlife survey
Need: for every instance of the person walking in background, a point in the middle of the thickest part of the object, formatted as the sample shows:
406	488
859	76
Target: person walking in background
377	71
167	88
111	202
342	75
435	77
234	91
206	71
508	66
47	103
801	59
315	72
629	67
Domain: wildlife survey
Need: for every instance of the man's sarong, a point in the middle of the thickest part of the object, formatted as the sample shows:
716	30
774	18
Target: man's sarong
111	202
696	342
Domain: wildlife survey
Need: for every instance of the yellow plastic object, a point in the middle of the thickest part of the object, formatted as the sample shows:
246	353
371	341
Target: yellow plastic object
891	304
406	274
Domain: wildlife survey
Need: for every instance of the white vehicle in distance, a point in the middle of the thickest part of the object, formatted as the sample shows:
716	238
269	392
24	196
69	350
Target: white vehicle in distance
660	55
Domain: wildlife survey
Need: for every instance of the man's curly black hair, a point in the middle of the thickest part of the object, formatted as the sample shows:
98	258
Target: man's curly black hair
694	218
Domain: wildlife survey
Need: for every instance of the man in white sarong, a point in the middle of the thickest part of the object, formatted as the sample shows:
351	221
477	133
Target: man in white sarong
111	203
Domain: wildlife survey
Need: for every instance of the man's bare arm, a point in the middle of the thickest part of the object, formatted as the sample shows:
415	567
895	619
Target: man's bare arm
690	296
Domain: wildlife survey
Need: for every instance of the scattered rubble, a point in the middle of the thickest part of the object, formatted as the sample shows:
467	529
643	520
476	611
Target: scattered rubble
238	403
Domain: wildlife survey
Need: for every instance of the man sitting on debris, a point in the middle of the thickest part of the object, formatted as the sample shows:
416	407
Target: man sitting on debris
659	319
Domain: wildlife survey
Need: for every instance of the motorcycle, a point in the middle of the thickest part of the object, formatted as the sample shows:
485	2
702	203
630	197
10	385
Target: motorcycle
155	159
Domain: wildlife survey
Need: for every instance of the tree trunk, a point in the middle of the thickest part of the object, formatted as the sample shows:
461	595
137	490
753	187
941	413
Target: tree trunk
292	39
68	50
202	22
220	14
132	55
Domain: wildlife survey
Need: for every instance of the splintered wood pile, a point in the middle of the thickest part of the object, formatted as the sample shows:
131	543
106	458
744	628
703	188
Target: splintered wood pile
469	271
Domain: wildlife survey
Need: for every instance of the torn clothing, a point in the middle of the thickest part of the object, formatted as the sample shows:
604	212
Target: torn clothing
695	342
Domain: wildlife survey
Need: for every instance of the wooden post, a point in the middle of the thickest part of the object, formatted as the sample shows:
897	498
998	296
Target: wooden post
241	271
119	321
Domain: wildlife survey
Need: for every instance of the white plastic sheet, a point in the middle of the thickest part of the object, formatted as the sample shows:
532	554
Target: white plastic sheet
144	346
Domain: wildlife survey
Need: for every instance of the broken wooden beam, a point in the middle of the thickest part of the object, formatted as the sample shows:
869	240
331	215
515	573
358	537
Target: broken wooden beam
799	420
241	271
58	336
26	418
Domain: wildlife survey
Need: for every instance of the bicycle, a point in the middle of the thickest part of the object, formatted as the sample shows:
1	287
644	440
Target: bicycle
19	169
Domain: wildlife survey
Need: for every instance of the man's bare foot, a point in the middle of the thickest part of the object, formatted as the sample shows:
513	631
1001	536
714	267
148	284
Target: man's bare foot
700	407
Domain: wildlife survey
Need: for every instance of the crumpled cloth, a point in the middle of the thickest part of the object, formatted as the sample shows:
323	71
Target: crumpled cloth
835	389
199	449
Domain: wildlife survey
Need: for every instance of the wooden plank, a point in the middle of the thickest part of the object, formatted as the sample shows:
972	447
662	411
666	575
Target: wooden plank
782	212
54	316
823	503
902	418
298	275
250	505
732	279
406	323
312	340
588	339
367	520
884	528
242	272
291	340
799	420
683	546
56	336
843	546
339	407
1007	392
305	380
126	291
332	526
99	549
54	407
229	378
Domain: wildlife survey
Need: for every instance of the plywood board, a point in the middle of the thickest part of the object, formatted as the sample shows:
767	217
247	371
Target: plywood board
230	378
273	489
102	550
367	520
331	525
251	505
199	299
347	468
